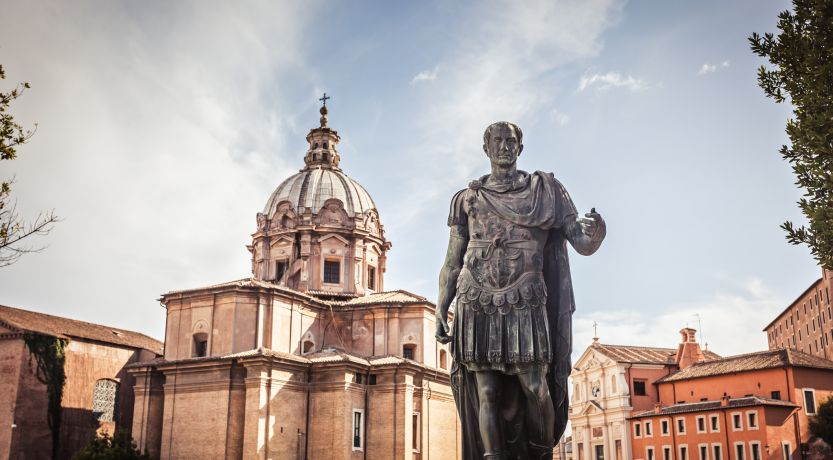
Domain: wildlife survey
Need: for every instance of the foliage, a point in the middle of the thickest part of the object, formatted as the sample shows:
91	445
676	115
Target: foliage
49	354
13	230
802	70
821	425
106	447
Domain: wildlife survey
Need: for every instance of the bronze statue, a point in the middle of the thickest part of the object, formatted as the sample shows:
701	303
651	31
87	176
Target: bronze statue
511	338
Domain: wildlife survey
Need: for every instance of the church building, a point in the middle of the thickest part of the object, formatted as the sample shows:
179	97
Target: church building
310	357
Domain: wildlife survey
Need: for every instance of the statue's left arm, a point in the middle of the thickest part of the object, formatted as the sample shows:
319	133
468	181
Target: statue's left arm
586	233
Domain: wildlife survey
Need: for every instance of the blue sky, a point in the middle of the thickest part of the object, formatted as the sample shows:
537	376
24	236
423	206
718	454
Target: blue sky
163	129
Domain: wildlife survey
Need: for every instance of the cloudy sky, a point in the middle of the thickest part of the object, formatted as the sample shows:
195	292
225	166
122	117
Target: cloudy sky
163	128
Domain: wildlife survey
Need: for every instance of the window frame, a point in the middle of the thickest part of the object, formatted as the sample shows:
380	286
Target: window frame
106	384
702	418
195	340
700	451
412	347
739	425
749	417
717	447
648	429
751	450
353	446
644	383
741	451
649	453
804	392
677	425
337	262
371	278
664	427
416	441
786	450
680	452
667	449
637	430
714	427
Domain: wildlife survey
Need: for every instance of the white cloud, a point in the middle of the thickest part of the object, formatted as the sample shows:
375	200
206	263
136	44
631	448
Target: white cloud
611	80
560	118
725	318
425	75
710	68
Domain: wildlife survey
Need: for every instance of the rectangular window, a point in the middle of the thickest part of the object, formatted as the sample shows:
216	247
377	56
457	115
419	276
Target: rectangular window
649	453
681	425
200	345
666	453
755	450
664	427
752	420
740	452
637	430
776	395
417	435
409	352
714	423
717	450
809	401
280	269
358	429
332	271
639	388
704	451
701	423
736	421
683	452
786	450
648	430
371	278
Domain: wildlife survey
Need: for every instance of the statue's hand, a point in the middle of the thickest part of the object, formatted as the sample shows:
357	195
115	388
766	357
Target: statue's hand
442	330
592	225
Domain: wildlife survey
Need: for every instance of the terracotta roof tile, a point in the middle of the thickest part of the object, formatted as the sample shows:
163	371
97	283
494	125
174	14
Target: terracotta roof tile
713	405
749	362
643	355
57	326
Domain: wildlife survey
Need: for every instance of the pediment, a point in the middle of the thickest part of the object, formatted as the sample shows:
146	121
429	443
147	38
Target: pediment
592	407
283	239
333	235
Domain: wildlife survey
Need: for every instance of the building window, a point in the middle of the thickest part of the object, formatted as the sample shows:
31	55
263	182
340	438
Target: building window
358	429
639	388
372	379
717	450
809	401
786	450
714	422
416	440
613	384
776	395
358	378
443	359
701	423
663	427
704	451
332	271
681	425
104	399
752	420
409	351
637	430
666	453
736	421
648	429
200	345
683	452
740	452
280	269
755	450
649	453
371	278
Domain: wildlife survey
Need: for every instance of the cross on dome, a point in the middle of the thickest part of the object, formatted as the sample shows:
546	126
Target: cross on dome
324	99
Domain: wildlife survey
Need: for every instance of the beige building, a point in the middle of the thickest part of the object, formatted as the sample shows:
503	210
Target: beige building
310	357
611	382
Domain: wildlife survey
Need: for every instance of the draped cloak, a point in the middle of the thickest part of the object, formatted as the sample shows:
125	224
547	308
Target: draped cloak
544	204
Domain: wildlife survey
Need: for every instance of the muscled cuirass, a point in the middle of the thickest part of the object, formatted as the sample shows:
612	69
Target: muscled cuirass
503	265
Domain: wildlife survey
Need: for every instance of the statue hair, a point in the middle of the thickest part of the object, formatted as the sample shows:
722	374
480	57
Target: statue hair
487	135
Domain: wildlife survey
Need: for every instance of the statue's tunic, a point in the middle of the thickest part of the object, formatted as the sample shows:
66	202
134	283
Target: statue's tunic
501	320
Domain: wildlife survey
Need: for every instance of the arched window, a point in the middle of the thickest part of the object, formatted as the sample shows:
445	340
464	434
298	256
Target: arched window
104	399
443	359
200	345
307	347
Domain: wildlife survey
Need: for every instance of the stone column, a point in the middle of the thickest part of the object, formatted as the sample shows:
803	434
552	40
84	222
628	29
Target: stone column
626	440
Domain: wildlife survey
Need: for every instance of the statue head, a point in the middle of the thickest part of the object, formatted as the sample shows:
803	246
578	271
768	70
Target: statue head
502	142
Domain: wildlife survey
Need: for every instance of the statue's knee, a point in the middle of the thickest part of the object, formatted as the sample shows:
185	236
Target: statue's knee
489	393
537	390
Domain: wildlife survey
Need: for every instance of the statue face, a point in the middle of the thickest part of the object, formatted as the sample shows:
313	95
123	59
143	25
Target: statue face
503	147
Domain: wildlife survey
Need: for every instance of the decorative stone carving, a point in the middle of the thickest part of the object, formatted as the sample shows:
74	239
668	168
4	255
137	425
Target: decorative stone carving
284	217
333	214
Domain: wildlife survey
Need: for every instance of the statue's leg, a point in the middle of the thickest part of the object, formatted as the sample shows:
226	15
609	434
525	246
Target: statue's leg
540	414
488	391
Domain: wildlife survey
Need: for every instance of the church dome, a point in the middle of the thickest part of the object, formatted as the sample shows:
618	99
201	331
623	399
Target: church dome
312	187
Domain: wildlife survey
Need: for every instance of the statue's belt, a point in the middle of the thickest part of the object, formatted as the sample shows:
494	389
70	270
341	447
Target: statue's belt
490	246
529	290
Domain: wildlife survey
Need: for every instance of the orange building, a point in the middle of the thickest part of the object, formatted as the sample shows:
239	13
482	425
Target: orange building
807	323
746	407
